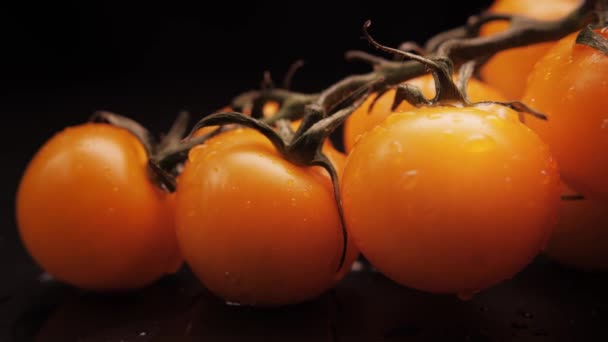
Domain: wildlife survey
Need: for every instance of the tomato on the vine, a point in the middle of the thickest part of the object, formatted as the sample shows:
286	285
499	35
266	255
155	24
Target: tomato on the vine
364	119
89	214
256	229
570	85
508	70
450	199
580	239
269	109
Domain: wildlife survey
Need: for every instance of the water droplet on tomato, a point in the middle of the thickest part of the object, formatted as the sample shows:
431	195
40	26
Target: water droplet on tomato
409	179
293	201
546	177
111	211
478	143
434	116
491	117
548	76
210	155
357	266
392	119
115	189
508	183
248	204
379	129
396	145
604	123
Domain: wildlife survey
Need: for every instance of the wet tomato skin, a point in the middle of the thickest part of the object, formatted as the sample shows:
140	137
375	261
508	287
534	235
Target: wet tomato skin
90	216
508	70
256	229
364	119
580	239
450	200
570	85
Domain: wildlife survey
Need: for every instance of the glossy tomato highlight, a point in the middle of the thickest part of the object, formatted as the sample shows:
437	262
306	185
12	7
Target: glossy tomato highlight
449	199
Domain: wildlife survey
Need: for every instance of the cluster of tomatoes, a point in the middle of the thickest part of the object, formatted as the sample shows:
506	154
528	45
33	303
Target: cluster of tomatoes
445	199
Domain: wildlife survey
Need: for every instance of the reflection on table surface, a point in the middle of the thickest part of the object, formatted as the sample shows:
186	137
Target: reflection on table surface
544	303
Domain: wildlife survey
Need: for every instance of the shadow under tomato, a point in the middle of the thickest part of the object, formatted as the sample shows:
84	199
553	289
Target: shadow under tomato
545	302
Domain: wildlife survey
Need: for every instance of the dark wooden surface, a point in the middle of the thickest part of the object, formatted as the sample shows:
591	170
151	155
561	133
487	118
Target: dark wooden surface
545	302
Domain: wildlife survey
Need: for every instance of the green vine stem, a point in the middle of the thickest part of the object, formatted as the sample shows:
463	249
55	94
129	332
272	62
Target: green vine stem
447	92
163	155
459	45
593	39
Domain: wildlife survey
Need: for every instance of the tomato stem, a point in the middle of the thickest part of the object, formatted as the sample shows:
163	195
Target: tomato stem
460	45
173	138
593	39
446	90
322	161
139	131
284	130
291	72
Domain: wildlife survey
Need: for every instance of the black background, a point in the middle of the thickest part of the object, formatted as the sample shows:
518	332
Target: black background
60	61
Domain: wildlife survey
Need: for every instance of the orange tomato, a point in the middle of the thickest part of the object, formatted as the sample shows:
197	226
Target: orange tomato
508	70
90	216
581	237
363	119
570	85
256	229
270	108
449	199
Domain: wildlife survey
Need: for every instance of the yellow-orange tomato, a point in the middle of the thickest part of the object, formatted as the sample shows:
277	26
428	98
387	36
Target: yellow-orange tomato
256	229
448	199
581	237
508	70
570	85
270	108
363	119
89	214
